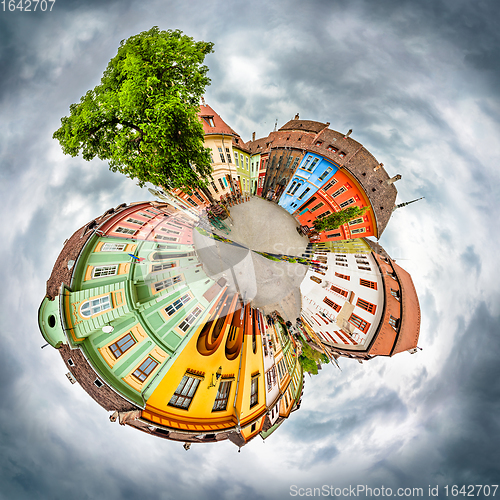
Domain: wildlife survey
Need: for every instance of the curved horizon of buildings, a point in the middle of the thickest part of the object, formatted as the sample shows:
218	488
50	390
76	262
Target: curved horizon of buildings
150	336
174	353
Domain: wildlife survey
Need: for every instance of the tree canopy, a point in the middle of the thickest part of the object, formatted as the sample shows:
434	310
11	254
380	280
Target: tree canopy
142	117
336	219
310	358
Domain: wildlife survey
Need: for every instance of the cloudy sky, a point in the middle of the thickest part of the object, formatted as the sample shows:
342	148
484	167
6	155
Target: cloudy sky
418	82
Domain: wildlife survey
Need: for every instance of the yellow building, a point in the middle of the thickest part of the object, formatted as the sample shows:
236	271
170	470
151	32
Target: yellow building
220	138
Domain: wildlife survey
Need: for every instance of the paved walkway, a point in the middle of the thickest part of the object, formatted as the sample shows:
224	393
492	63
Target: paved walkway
266	227
268	285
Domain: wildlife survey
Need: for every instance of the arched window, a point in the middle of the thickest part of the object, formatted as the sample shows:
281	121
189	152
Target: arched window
296	187
94	306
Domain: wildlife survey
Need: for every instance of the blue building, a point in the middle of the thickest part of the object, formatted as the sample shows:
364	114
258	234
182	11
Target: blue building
312	173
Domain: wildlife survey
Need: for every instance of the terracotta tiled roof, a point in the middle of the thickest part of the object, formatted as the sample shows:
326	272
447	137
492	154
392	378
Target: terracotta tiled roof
388	341
220	126
317	138
304	125
410	315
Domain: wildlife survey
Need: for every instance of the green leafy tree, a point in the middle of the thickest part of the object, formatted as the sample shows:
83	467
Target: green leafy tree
310	358
142	117
336	219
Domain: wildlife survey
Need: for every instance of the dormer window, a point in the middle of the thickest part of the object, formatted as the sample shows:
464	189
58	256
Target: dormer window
209	120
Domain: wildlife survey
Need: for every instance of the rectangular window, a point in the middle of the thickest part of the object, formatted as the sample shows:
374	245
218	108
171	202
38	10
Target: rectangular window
228	154
368	284
246	161
135	221
338	192
254	392
161	285
185	392
359	230
333	235
214	187
395	293
393	322
317	280
353	222
221	184
324	214
332	148
101	271
342	154
332	304
146	215
113	247
236	159
306	190
172	308
170	231
346	203
340	291
152	211
199	197
191	201
319	205
220	403
330	184
122	345
343	276
162	267
367	306
145	369
359	323
221	154
125	230
325	173
294	166
166	238
311	167
189	319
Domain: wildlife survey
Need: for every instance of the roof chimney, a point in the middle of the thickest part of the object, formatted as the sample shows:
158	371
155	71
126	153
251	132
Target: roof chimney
348	133
253	136
296	117
392	180
203	101
380	165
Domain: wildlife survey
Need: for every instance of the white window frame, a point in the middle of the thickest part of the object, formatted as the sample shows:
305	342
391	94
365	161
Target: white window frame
188	321
95	306
113	247
135	221
105	271
125	230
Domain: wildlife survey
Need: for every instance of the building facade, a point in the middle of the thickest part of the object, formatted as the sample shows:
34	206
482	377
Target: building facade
360	305
150	336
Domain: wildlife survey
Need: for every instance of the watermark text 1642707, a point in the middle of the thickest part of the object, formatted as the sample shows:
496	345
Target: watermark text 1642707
27	5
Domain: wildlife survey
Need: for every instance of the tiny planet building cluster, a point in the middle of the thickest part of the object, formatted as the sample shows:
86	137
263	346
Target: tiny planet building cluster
177	352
